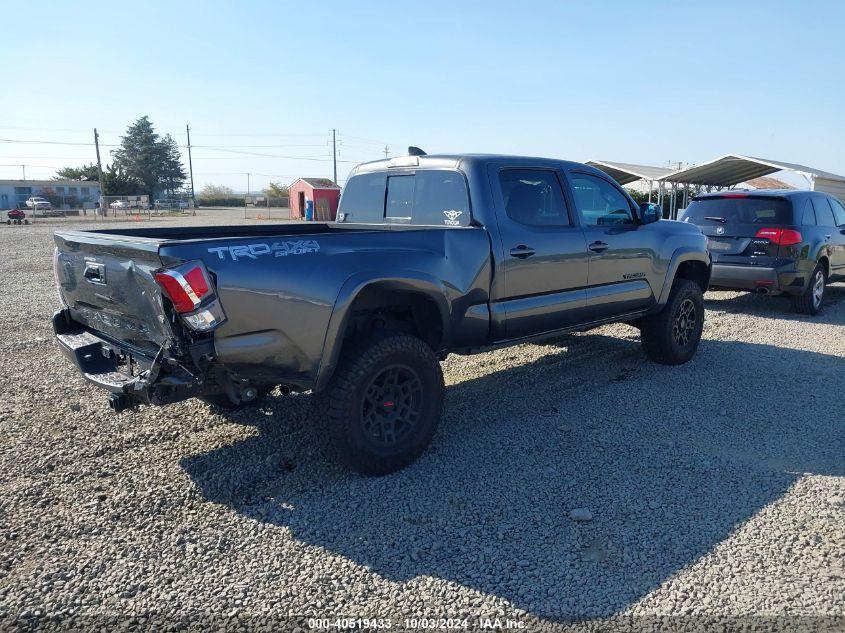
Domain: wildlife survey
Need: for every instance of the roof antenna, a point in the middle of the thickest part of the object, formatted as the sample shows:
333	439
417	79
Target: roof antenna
415	151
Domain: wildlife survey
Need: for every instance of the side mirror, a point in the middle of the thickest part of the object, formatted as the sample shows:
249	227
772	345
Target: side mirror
650	212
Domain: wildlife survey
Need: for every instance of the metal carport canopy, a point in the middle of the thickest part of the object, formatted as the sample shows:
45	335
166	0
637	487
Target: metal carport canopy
625	173
732	169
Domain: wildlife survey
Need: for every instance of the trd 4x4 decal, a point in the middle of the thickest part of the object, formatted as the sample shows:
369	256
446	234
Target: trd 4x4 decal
277	249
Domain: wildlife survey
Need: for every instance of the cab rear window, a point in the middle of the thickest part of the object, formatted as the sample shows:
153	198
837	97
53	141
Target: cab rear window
739	210
427	197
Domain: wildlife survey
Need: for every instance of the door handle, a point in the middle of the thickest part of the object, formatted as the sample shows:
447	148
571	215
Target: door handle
522	251
827	237
95	273
598	247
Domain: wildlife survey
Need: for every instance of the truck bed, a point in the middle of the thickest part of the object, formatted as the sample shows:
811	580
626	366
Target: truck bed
279	285
186	233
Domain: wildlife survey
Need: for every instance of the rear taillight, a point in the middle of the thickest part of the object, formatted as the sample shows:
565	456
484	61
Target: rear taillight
185	286
781	237
191	291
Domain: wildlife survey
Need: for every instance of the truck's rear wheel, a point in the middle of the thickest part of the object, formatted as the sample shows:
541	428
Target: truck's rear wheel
671	336
384	402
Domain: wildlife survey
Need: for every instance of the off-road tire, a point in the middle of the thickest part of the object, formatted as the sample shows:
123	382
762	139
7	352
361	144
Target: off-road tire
810	301
660	332
343	403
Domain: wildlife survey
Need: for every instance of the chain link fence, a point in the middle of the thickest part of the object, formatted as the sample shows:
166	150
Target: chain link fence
266	208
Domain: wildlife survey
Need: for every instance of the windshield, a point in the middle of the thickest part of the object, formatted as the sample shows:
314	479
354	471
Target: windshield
739	210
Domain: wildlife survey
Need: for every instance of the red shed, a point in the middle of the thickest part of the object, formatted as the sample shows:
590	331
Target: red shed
321	191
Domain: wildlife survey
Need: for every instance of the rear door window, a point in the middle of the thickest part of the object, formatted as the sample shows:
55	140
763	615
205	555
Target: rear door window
809	216
533	197
762	210
838	211
824	214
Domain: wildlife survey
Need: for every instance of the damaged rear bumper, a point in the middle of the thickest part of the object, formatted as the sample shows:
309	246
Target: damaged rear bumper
131	376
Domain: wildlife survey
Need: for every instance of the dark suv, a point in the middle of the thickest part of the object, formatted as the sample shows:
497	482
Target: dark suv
773	242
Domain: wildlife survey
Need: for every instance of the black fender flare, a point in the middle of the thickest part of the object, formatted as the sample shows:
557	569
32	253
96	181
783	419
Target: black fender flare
409	281
681	255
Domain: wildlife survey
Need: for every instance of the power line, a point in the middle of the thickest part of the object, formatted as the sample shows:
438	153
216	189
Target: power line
264	134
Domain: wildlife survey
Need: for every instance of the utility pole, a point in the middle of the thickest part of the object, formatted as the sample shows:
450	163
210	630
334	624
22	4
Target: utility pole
246	198
100	174
191	167
386	152
23	167
334	154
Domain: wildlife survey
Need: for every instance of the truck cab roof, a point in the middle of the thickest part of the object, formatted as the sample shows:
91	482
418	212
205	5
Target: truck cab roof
466	162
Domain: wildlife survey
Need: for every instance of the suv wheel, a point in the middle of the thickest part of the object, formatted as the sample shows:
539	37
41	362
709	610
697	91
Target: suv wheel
384	402
811	301
671	336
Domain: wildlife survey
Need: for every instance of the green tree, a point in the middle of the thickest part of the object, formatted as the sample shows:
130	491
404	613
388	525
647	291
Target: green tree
86	172
276	190
152	161
117	183
216	191
172	172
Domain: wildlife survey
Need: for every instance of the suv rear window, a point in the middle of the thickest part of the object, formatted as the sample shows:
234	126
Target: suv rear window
739	210
427	197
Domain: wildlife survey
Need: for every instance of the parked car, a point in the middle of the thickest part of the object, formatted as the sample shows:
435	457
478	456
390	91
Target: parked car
430	255
171	204
120	204
36	203
16	216
778	242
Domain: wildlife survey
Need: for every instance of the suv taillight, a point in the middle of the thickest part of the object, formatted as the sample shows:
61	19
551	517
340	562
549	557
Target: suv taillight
190	289
781	237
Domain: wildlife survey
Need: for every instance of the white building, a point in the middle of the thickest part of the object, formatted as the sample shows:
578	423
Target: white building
64	194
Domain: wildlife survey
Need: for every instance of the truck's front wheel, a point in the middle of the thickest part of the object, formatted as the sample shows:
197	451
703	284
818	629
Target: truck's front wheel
671	336
384	402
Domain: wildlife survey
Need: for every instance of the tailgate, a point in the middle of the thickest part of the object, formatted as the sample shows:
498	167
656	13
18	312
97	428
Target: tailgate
737	241
107	283
739	226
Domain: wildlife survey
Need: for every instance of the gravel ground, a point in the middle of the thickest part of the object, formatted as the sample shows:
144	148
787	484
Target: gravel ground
569	480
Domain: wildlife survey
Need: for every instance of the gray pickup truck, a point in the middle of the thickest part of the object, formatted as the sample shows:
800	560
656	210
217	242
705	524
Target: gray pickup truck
429	255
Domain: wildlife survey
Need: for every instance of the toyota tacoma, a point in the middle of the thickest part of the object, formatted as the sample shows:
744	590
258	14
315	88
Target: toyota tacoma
428	255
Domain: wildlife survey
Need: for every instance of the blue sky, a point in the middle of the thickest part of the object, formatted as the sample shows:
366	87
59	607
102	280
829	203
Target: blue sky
647	82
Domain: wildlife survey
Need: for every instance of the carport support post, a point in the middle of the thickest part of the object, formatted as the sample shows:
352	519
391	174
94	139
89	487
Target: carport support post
674	204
